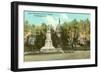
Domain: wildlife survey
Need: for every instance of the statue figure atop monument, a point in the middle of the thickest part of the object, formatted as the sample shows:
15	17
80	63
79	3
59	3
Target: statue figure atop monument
48	47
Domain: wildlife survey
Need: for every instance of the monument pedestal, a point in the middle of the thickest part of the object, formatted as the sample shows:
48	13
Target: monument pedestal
48	48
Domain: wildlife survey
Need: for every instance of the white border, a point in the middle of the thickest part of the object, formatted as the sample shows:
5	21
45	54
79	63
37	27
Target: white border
22	64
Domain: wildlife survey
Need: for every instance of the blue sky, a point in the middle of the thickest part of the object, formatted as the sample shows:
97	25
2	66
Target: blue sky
52	17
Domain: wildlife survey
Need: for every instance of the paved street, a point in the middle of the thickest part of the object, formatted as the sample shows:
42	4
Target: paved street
58	56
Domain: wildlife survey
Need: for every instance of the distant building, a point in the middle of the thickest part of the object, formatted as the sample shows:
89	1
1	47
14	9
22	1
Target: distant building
82	38
31	39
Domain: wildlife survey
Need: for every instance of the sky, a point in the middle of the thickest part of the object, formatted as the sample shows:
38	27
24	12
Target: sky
52	18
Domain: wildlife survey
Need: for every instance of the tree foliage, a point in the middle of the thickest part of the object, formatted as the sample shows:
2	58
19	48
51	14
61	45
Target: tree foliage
73	34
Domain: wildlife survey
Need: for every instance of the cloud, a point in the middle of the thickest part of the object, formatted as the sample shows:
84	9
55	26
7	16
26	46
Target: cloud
54	19
63	18
51	21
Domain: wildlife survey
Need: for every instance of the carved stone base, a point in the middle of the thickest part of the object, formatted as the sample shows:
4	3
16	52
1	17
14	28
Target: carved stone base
48	50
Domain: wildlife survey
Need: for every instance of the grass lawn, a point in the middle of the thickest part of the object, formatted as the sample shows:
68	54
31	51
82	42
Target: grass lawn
58	56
